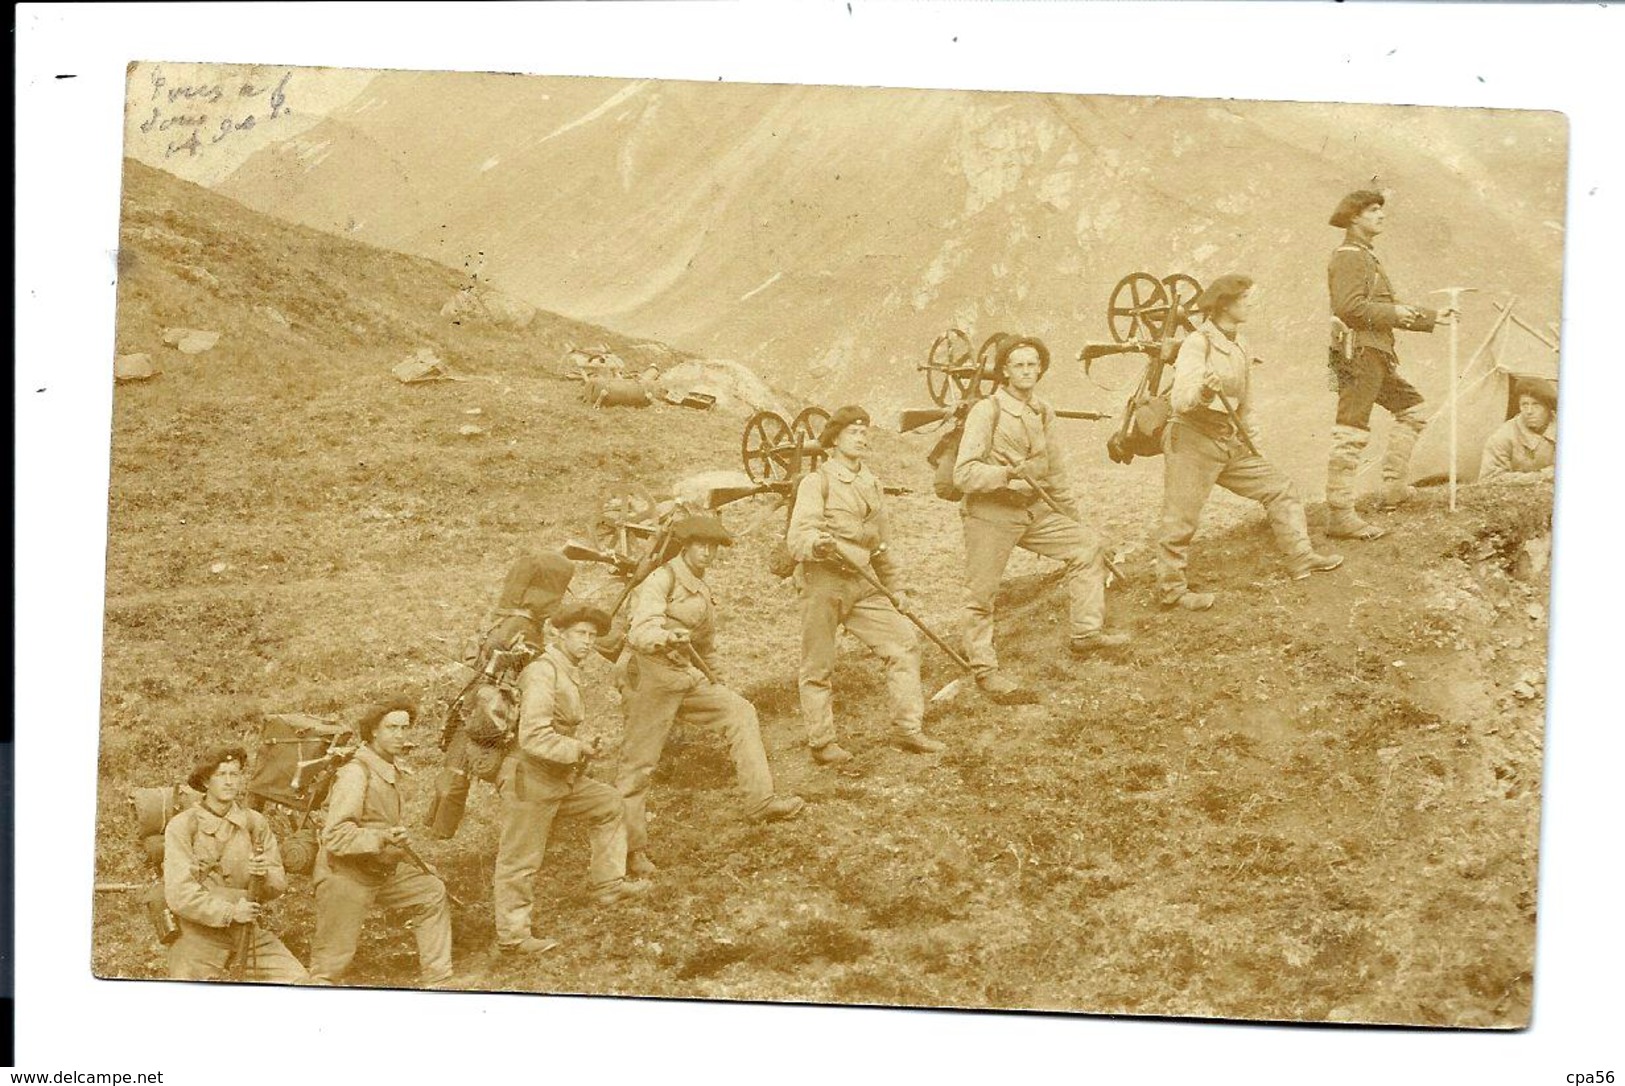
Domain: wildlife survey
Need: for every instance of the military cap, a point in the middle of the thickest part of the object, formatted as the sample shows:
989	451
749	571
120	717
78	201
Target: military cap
1543	391
1222	291
1011	344
842	418
574	614
1352	205
212	759
701	529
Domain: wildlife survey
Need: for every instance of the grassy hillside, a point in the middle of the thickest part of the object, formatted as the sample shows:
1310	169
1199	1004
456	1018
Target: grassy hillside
1319	800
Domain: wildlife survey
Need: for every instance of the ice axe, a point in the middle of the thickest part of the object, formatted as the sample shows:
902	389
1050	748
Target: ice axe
1454	307
1235	420
1049	499
862	570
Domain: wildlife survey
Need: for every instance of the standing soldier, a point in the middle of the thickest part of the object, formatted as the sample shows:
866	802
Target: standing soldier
544	777
1011	471
671	673
1367	369
364	846
216	854
837	527
1212	439
532	591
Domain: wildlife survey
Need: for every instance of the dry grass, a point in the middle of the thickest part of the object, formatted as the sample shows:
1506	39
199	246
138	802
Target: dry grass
1319	800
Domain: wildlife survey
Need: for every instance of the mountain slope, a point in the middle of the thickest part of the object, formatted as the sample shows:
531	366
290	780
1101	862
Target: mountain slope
827	234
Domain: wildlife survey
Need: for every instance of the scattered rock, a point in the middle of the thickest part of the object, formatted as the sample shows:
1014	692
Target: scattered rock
273	315
468	429
219	567
484	304
190	340
1523	691
734	386
474	411
696	489
201	276
134	367
423	366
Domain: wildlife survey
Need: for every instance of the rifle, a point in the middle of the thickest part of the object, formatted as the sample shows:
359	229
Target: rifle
862	570
581	552
1235	421
243	935
424	866
647	565
913	419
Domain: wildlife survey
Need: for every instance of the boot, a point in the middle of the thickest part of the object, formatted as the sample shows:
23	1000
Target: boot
617	892
831	754
638	863
528	945
1315	563
1396	458
779	808
1085	646
919	743
1001	690
1342	522
1191	601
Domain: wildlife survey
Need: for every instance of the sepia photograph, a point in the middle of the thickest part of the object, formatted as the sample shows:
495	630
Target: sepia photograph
498	459
937	541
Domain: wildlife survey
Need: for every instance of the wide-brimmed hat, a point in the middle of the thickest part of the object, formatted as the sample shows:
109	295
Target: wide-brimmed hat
573	614
1352	205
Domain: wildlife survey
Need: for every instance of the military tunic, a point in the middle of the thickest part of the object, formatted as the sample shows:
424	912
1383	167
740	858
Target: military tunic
1363	299
206	859
542	779
660	685
848	504
358	867
1516	454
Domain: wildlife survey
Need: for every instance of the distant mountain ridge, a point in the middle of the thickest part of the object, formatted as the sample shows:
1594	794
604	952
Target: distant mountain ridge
826	235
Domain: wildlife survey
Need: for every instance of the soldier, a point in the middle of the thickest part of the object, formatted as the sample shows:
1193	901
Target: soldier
1368	373
1008	435
364	846
670	672
1207	442
211	852
839	522
544	777
532	591
1522	449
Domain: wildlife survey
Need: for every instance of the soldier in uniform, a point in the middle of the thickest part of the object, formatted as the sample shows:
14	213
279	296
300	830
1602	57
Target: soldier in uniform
838	523
544	777
211	851
1008	435
1204	445
1522	449
670	674
531	592
364	859
1368	373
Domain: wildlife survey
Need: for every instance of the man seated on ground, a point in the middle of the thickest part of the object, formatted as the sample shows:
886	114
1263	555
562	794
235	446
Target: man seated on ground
1523	449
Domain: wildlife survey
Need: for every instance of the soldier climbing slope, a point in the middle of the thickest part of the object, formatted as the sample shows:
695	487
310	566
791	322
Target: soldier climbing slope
220	862
544	777
1367	370
1212	439
670	674
838	526
1011	469
364	848
478	725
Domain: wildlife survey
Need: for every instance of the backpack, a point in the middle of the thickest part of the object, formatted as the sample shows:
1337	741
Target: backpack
781	563
1146	416
944	456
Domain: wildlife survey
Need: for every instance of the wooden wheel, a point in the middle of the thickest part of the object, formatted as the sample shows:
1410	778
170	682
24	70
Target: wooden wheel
628	518
984	378
950	354
767	447
1183	290
804	431
1138	306
809	424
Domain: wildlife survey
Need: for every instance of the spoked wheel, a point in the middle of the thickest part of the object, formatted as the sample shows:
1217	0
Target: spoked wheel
1138	306
950	355
767	446
804	431
984	380
1183	290
628	518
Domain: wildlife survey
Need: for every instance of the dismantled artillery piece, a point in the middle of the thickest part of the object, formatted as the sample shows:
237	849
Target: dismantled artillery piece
1150	317
606	382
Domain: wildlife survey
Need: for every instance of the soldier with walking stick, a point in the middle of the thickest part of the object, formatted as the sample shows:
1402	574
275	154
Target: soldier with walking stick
1366	368
220	863
670	675
838	527
1018	494
1211	439
366	857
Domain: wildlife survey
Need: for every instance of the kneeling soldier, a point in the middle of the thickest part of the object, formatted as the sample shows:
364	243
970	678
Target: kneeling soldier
670	674
837	527
1010	469
217	854
364	845
544	777
1211	440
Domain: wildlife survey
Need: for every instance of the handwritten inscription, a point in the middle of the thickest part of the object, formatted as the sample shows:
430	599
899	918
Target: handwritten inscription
194	116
